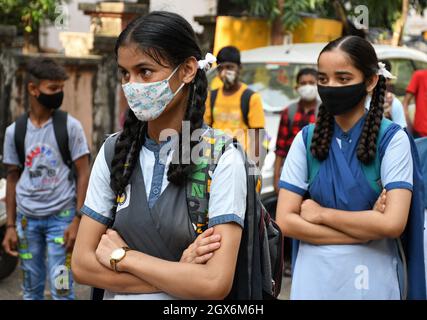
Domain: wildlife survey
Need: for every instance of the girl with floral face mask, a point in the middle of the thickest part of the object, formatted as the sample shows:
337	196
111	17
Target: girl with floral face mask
350	189
152	250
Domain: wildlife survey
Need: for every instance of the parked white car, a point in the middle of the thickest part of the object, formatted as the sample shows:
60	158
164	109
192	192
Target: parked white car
271	71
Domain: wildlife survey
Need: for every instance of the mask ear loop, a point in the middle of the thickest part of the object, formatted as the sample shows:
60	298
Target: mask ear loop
193	95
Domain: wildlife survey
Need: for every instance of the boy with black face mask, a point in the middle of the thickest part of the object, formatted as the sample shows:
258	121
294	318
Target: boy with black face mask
42	194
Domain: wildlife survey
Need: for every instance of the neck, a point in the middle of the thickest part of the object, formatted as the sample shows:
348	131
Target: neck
347	120
38	114
233	89
170	119
308	105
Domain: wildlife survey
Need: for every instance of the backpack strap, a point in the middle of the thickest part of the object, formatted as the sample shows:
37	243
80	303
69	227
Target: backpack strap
215	142
244	104
20	132
313	164
109	146
372	171
292	110
214	94
59	119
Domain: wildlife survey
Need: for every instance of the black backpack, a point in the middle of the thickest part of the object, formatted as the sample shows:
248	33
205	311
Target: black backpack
259	266
59	120
244	104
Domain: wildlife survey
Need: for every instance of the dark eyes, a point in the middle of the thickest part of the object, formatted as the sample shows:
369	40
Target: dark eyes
340	79
123	74
145	72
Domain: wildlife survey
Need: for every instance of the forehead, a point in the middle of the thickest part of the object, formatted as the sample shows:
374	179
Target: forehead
130	55
334	60
49	83
307	77
228	65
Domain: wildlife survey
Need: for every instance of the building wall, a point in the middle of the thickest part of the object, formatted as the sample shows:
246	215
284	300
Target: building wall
78	22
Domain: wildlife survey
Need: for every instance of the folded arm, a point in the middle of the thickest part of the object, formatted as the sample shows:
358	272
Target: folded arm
371	224
87	269
294	226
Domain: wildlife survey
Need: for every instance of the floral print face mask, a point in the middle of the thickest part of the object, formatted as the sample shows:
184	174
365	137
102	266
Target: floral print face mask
149	100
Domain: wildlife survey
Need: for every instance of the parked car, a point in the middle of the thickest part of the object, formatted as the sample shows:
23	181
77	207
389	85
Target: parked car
7	262
271	71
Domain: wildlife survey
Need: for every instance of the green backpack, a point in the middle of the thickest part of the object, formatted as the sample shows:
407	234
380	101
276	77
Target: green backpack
372	171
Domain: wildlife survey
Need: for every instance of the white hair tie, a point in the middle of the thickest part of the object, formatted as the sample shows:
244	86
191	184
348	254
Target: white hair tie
205	64
382	71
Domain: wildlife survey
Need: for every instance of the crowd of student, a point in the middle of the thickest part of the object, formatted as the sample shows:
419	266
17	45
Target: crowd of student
347	175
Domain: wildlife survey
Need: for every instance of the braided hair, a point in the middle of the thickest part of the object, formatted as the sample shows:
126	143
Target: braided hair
364	58
164	36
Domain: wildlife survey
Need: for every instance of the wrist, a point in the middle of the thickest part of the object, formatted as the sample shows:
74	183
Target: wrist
124	264
323	215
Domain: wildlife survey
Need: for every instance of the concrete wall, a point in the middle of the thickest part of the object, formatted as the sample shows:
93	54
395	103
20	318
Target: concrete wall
78	22
90	93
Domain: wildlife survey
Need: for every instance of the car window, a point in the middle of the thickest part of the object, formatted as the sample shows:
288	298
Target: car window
402	69
419	65
275	82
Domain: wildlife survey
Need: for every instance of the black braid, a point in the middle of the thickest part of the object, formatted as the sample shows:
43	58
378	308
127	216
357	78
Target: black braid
178	172
363	57
169	40
322	134
126	152
367	146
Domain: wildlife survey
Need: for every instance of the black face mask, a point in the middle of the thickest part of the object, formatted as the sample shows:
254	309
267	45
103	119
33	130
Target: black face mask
51	101
339	100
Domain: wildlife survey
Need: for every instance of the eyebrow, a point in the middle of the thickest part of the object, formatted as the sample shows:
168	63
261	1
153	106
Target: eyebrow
139	65
339	72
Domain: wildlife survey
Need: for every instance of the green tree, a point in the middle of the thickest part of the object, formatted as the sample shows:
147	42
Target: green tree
286	14
28	17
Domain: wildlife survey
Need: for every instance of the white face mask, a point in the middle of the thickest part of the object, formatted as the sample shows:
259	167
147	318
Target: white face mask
229	76
149	100
308	92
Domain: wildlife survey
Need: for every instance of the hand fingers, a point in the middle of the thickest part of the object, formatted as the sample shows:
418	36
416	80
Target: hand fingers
111	232
200	251
205	234
10	247
204	258
208	240
115	238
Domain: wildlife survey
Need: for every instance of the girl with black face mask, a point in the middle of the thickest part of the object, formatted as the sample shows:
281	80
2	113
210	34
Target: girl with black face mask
347	187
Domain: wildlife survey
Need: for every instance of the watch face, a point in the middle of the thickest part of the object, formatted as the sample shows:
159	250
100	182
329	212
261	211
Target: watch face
118	254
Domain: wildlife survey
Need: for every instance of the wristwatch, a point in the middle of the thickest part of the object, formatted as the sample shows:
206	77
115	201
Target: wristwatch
118	255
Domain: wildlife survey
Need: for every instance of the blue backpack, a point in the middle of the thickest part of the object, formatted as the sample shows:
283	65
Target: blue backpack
412	239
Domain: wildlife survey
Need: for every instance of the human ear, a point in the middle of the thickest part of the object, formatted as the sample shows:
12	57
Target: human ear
372	82
33	90
189	69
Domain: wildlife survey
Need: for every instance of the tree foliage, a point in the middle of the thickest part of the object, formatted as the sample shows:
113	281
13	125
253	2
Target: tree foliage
382	13
28	15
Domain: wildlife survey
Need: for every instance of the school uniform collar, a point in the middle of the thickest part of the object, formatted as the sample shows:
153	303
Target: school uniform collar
155	147
352	134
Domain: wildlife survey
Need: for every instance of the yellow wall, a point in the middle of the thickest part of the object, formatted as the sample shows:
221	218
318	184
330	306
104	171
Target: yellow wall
317	30
243	33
